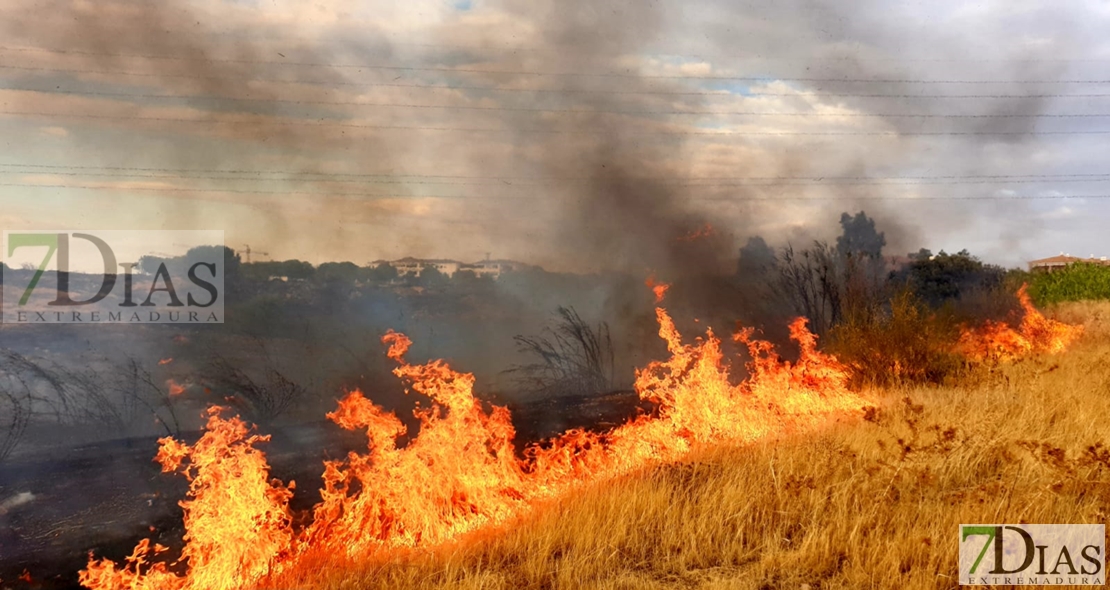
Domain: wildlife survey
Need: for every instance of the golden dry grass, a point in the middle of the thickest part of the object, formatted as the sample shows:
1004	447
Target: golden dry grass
871	503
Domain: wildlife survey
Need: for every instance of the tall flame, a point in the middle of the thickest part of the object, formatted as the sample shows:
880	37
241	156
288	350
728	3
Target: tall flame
997	341
459	473
237	521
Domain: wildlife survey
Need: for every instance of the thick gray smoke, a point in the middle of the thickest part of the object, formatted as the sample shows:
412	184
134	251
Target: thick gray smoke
617	182
629	208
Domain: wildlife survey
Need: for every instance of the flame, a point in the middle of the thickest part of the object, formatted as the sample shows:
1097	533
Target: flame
459	472
237	521
26	577
660	289
702	232
165	361
998	342
175	387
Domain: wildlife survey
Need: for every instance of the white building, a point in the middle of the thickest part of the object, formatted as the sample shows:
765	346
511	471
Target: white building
495	268
483	268
415	266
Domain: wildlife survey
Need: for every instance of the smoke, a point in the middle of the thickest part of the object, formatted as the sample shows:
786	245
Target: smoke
625	151
626	207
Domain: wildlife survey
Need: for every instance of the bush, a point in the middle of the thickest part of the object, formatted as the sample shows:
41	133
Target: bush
1075	282
907	343
570	358
941	278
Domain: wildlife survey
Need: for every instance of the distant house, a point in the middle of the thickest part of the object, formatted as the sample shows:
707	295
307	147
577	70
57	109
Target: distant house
484	268
415	266
494	268
1057	262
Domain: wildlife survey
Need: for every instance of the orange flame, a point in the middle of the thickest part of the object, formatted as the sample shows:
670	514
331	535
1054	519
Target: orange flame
165	361
237	521
660	289
998	342
459	473
702	232
176	388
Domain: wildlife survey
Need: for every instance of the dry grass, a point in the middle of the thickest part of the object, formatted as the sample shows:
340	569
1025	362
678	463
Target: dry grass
865	503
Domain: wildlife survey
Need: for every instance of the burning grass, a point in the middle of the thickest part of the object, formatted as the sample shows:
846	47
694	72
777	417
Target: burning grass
995	341
653	502
862	503
460	474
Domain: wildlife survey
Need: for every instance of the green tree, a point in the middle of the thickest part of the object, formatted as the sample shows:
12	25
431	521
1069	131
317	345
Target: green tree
943	277
345	272
431	278
383	273
859	236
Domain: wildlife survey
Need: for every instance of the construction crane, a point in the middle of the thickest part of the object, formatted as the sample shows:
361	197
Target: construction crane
247	250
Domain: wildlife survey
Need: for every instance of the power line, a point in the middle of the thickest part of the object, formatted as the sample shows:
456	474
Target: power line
597	131
535	73
532	196
185	172
565	110
564	49
617	75
710	93
691	183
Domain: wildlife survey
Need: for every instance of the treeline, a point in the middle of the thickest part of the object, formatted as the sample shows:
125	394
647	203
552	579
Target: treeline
892	318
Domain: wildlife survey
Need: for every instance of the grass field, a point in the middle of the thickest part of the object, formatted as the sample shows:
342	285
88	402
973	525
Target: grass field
872	502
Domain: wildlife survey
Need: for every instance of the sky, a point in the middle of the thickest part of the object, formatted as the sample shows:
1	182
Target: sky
578	135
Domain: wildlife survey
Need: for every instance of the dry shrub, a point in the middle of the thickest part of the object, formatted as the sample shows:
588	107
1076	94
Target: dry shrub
907	343
1094	316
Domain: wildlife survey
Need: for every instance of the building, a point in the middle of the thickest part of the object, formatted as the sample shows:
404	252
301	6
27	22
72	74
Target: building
483	268
1057	262
494	268
414	266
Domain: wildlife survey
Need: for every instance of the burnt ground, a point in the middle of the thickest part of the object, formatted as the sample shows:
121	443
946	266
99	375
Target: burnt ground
107	496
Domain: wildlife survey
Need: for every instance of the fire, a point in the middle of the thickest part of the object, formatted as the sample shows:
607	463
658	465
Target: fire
659	289
459	473
175	387
165	361
237	520
702	232
998	342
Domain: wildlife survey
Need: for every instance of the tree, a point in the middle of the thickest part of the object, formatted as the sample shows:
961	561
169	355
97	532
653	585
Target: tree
812	281
383	273
859	236
757	259
431	278
827	284
345	272
946	277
